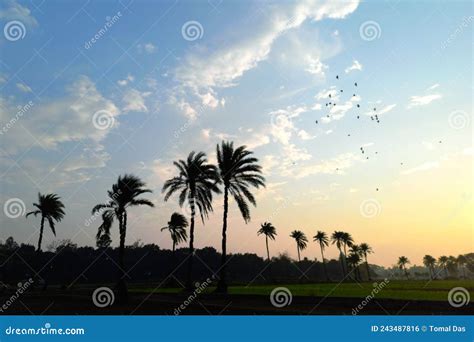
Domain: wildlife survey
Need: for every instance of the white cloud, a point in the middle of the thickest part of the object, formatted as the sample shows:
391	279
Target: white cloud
355	66
305	135
423	167
147	47
135	101
23	87
434	86
423	100
315	66
14	11
126	80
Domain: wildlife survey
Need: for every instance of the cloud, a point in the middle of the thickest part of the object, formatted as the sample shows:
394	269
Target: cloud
148	48
355	66
23	87
423	100
135	101
315	66
434	86
305	135
423	167
126	80
14	11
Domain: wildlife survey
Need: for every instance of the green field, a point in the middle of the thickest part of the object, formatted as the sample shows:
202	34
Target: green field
397	289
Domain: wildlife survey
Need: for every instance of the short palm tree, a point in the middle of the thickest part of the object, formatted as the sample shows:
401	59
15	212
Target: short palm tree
365	249
443	263
402	262
124	194
337	238
51	209
429	262
353	260
177	227
322	239
301	241
196	182
269	231
238	171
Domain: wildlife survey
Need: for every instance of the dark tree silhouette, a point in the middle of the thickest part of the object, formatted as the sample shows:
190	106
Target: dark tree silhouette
462	261
353	260
196	182
124	194
322	239
269	231
430	262
402	262
443	263
238	171
50	208
301	241
177	227
365	249
337	238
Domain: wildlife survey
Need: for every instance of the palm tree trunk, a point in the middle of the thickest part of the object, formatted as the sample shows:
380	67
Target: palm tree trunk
222	285
298	249
406	273
174	247
268	251
121	286
189	278
324	264
41	234
341	256
368	269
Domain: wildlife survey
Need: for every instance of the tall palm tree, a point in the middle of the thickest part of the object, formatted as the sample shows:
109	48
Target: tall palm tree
124	194
443	263
347	241
402	262
196	182
301	241
322	239
177	227
462	261
51	209
269	231
337	238
365	249
238	171
429	262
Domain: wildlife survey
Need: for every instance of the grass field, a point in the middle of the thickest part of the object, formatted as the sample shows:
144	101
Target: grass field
397	289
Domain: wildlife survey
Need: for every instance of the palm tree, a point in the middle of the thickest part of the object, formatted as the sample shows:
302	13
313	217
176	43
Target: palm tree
196	183
177	227
443	263
322	239
353	260
50	208
365	249
238	171
429	262
402	262
301	241
338	238
348	241
462	261
269	231
124	194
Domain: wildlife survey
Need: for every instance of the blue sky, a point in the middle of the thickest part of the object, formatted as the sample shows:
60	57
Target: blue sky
258	73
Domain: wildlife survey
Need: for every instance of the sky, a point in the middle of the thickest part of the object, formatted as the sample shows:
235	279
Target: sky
92	90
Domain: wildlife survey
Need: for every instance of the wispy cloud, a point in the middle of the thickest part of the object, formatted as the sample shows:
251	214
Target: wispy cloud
355	66
423	167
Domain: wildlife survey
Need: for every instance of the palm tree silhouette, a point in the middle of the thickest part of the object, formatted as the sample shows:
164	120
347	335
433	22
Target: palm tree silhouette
50	208
124	193
443	263
196	183
301	241
177	227
322	239
337	238
429	262
402	262
269	231
238	171
353	260
364	250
